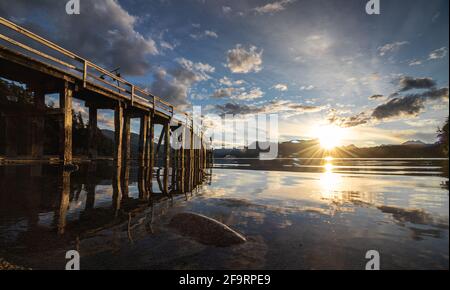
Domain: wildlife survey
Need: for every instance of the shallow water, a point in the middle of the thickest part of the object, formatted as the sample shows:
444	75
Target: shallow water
296	214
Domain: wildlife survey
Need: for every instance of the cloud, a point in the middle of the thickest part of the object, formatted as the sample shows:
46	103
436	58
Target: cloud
273	7
205	34
347	122
174	85
410	105
272	107
435	17
434	55
397	107
238	94
227	82
166	45
253	94
409	83
391	47
223	93
407	106
281	87
307	88
438	53
376	97
415	62
238	109
226	9
241	60
108	31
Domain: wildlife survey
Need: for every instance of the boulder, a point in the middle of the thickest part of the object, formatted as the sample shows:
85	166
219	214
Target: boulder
206	230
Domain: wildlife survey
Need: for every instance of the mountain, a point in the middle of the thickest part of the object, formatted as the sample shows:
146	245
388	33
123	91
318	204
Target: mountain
312	148
415	143
134	140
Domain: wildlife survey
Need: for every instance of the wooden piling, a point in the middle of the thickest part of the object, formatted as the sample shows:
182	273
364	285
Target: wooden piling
126	137
10	136
65	101
151	150
92	142
143	134
191	158
37	127
118	124
64	202
166	156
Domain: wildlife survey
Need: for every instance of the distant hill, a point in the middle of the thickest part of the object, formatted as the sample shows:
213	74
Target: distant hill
134	140
312	148
415	143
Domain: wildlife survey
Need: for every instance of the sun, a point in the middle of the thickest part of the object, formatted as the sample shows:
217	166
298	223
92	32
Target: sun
330	136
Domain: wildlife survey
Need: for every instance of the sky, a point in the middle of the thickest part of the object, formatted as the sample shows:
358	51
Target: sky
378	79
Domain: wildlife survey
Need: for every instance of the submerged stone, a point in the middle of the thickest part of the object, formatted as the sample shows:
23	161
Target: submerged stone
206	230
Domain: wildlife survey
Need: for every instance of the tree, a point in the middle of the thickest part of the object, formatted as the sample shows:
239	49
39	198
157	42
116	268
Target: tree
443	138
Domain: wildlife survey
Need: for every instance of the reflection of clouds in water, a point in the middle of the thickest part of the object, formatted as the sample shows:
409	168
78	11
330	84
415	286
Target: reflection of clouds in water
405	217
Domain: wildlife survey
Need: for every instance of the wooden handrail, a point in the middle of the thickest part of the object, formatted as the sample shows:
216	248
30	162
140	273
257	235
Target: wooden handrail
84	68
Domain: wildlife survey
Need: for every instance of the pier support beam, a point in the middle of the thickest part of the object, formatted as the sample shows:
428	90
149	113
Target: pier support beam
10	137
182	158
150	151
37	126
127	137
64	202
118	124
191	159
166	156
65	101
93	151
143	134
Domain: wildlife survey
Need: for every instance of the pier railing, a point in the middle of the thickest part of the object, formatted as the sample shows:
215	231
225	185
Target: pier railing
84	70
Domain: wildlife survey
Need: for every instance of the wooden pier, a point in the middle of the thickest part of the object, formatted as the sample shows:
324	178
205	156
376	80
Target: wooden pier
48	69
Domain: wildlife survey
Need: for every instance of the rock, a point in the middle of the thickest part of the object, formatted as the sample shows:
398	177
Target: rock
206	230
4	266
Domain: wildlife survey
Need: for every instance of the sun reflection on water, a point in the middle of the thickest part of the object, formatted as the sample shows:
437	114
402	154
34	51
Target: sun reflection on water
329	181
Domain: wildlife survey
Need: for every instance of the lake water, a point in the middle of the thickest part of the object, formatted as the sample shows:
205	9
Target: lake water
295	214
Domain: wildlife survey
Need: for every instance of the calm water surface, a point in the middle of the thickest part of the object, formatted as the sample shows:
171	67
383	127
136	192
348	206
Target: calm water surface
296	214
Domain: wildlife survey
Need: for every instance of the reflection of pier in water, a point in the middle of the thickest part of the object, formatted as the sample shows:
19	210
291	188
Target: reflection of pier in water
60	207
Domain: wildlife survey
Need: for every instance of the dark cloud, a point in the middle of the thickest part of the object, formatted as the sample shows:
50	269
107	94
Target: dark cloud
241	60
409	83
376	97
352	121
174	85
268	108
103	32
405	106
238	93
410	105
168	89
223	93
397	106
238	109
